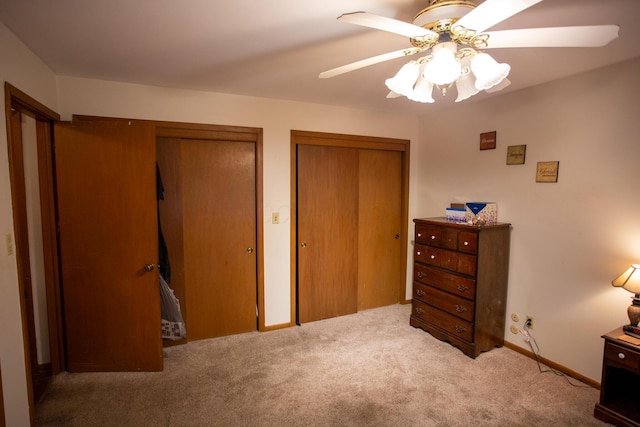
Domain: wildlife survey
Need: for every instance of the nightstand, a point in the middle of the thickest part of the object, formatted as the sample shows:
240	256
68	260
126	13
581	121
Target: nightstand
619	402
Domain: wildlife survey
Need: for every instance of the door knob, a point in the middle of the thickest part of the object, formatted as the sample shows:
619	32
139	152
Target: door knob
250	250
303	244
397	236
148	267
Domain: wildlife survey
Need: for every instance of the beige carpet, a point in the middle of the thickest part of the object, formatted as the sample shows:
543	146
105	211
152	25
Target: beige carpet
366	369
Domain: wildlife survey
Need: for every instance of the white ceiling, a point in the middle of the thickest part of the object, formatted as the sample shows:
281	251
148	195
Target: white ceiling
276	48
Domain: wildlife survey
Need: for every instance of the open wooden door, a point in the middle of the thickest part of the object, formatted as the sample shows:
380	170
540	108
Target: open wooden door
106	183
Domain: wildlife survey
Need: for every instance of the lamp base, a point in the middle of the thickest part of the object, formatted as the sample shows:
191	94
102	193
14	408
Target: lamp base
634	311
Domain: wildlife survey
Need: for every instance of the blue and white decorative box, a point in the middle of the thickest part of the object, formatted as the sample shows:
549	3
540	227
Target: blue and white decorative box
481	213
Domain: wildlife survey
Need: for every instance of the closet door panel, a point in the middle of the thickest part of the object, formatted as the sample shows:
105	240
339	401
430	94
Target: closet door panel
219	205
105	173
327	231
380	226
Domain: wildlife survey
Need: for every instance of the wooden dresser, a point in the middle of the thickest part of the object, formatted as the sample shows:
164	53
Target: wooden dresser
460	276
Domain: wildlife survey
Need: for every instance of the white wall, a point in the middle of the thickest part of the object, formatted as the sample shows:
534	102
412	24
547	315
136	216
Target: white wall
26	72
571	238
36	251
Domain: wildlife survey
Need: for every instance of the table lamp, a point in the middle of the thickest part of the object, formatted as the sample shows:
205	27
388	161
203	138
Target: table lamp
630	280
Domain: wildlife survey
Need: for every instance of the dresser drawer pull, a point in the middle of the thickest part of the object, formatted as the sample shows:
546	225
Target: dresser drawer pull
621	355
420	292
433	257
466	243
433	237
460	309
419	234
460	329
462	288
418	253
420	311
421	274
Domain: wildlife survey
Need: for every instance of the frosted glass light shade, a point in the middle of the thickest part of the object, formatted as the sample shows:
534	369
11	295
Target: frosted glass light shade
488	71
422	92
404	79
465	85
444	68
497	88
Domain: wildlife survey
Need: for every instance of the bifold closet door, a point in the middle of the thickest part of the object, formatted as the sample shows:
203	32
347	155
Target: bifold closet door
327	243
219	232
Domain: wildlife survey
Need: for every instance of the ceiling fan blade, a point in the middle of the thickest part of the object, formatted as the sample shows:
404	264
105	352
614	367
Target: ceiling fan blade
489	13
386	24
583	36
369	61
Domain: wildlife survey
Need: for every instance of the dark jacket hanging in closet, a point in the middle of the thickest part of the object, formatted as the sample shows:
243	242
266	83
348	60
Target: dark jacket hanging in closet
163	255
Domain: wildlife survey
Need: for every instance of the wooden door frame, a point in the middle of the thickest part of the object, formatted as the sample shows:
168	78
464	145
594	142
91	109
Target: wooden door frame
16	100
299	137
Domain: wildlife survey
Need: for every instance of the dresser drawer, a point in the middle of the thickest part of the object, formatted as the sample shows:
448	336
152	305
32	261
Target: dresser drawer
436	257
450	282
622	356
447	238
468	242
451	324
441	237
453	261
445	301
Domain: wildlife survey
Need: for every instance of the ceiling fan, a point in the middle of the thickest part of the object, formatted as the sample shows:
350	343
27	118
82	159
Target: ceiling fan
453	35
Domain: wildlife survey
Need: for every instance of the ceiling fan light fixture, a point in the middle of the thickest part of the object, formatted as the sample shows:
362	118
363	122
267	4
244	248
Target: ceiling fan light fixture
454	33
465	85
405	78
497	88
488	71
444	68
422	92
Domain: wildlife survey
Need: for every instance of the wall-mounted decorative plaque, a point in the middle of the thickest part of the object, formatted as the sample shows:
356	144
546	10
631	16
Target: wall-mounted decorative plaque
488	140
515	154
547	172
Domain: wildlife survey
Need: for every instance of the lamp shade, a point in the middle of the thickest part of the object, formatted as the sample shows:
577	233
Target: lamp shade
465	85
488	72
444	68
629	280
422	91
404	79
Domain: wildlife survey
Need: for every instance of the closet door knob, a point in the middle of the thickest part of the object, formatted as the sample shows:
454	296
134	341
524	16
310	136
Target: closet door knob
148	267
249	250
303	244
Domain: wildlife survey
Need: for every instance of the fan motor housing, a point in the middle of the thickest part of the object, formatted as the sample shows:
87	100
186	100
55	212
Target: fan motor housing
441	14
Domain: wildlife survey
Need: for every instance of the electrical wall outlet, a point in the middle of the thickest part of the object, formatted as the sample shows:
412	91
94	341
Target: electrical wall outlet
529	321
515	317
514	329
